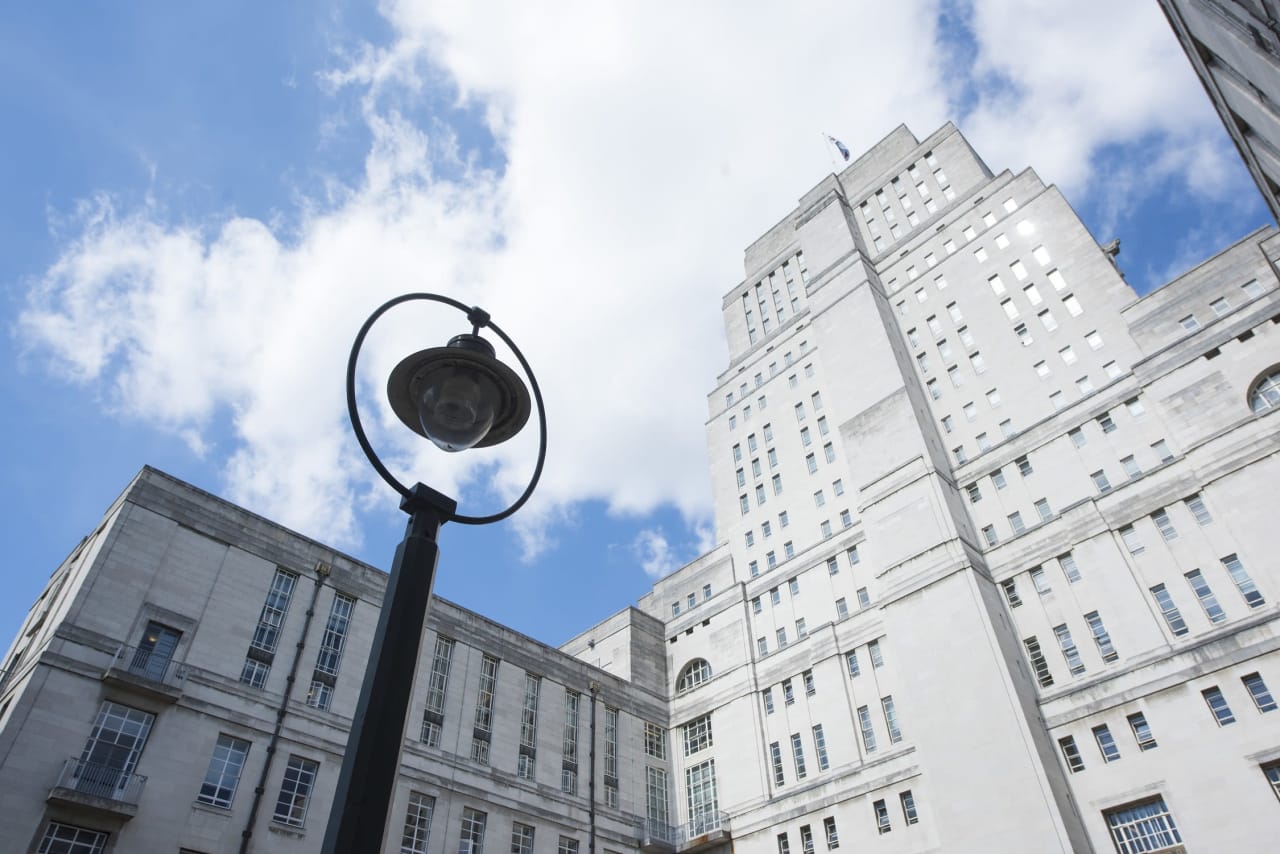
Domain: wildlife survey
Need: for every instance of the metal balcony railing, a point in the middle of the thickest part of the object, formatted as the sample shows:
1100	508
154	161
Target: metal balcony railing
654	834
147	664
101	781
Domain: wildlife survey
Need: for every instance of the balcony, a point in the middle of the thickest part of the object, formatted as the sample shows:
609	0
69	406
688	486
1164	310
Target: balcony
146	672
98	789
704	831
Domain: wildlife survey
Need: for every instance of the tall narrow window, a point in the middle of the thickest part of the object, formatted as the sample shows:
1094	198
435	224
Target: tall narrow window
655	741
1218	705
330	655
295	791
656	797
1071	753
820	746
611	757
697	735
1100	636
833	835
851	662
784	845
1172	616
877	657
110	755
482	731
1208	601
868	730
1252	597
806	839
702	800
775	759
1164	525
225	766
529	727
1196	505
266	635
908	802
797	755
1069	568
569	747
433	714
155	651
417	824
1106	744
1038	662
521	838
882	817
1258	691
891	719
1069	651
471	839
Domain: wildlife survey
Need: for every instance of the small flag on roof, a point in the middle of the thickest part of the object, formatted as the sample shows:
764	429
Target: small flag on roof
844	152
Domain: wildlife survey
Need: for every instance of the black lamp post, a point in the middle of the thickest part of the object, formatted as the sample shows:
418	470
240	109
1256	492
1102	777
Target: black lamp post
459	396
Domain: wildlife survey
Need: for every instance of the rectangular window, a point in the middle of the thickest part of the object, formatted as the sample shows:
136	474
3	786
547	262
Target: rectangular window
484	710
864	598
1024	466
908	802
697	735
417	825
1043	510
569	746
877	658
989	534
868	730
1106	744
1142	826
655	741
788	692
1102	484
1271	771
806	839
1010	587
1069	568
1164	525
797	755
62	838
1101	637
220	781
775	759
768	701
1258	691
882	817
1131	540
703	803
1038	662
1208	601
891	719
784	846
529	727
1131	468
610	757
851	662
1041	581
471	839
433	714
820	746
335	635
655	795
1196	505
110	755
1252	597
1016	523
267	633
833	836
1218	705
1071	753
1141	731
1172	616
295	791
1069	651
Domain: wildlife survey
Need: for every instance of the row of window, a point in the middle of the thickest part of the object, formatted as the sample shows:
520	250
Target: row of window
1143	736
471	837
1070	652
691	600
900	190
1221	306
766	297
797	756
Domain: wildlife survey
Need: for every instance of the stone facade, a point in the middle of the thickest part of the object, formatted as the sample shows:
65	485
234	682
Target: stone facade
1234	46
993	575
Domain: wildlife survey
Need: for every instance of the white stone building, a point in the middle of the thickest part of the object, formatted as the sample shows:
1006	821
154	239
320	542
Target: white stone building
993	575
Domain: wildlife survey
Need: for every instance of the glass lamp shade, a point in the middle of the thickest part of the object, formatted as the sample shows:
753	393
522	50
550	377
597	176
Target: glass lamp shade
459	396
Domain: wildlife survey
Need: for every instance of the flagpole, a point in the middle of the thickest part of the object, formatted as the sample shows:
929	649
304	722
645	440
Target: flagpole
826	146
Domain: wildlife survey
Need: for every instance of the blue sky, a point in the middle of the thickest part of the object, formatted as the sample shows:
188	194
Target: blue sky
202	203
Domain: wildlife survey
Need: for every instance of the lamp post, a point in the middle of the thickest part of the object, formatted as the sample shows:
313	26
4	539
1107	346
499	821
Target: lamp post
459	396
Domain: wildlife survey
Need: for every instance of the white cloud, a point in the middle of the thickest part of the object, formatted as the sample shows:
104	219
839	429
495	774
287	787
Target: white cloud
654	553
644	148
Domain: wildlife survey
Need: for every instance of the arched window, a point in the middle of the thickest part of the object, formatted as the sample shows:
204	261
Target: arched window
1264	394
694	674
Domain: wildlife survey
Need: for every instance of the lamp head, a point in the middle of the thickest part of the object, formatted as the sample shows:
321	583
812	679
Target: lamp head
459	396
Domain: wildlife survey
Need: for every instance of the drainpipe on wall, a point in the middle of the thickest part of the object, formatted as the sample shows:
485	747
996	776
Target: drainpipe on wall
591	760
246	836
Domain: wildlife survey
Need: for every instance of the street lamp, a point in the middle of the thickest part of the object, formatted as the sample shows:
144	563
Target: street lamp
459	396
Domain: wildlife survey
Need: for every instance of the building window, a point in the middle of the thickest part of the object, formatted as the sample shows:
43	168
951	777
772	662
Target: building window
788	693
528	727
1141	731
1071	753
1038	662
891	719
655	794
820	746
697	735
295	791
569	747
1106	423
1016	523
254	673
610	757
1131	468
62	838
877	657
1101	482
806	839
1252	597
775	760
797	755
1010	587
1164	525
882	817
868	730
267	633
833	836
864	598
1106	744
471	839
1043	510
1142	826
703	803
908	802
1258	691
809	688
112	751
335	635
1101	637
1131	540
784	846
225	766
694	674
1264	393
989	534
417	825
1208	601
1172	616
433	714
1069	650
1196	505
1218	705
851	662
768	701
1068	564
